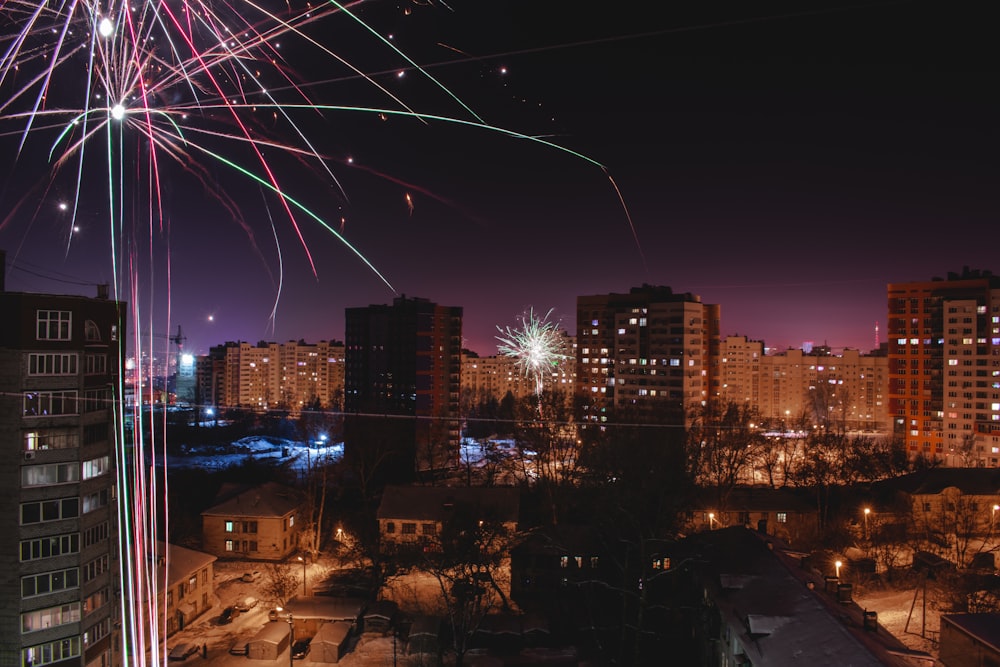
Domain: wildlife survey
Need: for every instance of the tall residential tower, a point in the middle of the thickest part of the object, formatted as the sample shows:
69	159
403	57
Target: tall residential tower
60	359
944	367
649	352
402	384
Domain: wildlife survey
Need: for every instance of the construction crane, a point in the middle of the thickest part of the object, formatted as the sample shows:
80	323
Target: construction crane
177	339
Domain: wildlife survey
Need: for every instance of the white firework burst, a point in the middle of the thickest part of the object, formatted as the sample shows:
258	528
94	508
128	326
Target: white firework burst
538	347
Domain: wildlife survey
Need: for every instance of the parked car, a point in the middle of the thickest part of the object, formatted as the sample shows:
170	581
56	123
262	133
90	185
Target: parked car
250	577
240	647
300	649
227	615
246	604
183	651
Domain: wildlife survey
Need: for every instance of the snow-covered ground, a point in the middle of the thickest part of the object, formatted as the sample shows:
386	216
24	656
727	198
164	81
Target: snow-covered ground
280	451
293	453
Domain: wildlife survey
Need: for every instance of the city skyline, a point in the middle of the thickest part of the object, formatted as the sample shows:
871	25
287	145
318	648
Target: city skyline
787	166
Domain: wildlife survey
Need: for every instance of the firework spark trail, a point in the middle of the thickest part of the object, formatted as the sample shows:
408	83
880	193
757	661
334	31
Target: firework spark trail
537	348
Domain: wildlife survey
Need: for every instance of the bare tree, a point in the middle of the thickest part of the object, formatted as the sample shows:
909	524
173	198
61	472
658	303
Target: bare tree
279	582
723	441
469	560
958	526
314	426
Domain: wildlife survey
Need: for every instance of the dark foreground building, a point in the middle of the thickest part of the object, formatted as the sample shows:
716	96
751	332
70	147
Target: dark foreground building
401	388
60	359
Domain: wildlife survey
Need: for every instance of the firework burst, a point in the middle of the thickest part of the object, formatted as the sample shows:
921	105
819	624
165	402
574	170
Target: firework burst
538	347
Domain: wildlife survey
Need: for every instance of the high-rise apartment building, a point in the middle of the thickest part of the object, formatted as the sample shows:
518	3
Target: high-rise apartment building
649	352
402	386
847	390
267	376
944	367
740	378
60	359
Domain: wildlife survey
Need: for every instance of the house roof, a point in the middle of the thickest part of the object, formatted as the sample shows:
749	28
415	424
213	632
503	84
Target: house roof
179	562
265	501
325	608
970	481
763	593
387	609
426	624
561	539
753	499
984	627
272	633
433	503
332	632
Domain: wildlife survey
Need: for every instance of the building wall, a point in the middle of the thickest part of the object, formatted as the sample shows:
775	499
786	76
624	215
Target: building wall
848	390
408	531
265	376
253	537
187	597
790	525
960	649
649	351
403	360
60	364
944	365
952	511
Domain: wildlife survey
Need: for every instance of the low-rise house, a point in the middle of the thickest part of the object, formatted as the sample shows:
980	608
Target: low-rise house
781	513
547	566
415	515
942	498
258	523
190	589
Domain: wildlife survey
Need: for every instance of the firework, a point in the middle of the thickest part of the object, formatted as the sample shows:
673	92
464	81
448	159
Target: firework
538	347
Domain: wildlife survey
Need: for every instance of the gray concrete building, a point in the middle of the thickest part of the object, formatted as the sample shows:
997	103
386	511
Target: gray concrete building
60	359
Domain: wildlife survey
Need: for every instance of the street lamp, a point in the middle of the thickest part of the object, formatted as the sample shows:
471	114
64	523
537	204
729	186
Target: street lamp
711	518
303	575
837	565
868	511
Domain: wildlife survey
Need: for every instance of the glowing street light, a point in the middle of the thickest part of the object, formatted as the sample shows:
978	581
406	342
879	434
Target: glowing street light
837	565
868	511
994	515
303	575
711	519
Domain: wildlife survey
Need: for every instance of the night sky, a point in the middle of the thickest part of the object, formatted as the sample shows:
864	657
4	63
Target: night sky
786	164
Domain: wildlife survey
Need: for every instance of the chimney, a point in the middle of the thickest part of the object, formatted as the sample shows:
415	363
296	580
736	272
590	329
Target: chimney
102	291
